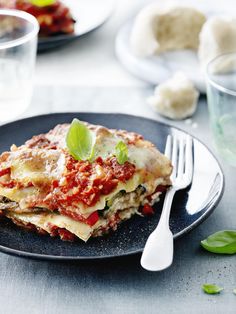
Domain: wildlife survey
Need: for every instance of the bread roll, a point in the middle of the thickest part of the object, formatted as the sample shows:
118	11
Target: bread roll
160	27
176	98
218	36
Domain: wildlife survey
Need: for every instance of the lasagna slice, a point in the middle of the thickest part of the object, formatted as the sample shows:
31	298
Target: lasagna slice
44	188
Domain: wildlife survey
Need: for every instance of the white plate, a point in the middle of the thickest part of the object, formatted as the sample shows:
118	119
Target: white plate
157	69
88	14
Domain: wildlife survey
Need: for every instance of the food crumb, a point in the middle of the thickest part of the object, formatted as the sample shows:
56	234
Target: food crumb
195	125
188	121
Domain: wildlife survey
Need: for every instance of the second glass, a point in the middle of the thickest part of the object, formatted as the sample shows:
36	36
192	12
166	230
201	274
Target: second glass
221	95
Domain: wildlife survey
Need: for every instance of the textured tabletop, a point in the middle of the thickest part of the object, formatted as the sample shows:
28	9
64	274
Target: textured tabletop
120	285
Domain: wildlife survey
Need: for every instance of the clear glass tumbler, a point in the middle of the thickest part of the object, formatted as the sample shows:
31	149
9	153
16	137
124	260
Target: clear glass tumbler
18	44
221	95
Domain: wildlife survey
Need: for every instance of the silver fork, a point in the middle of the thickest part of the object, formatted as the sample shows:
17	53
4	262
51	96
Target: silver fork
158	251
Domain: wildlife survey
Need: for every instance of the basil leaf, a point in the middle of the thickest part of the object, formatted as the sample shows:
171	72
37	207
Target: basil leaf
121	152
42	3
211	289
80	141
222	242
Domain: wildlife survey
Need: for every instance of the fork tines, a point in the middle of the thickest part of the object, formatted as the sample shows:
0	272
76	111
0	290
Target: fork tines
180	151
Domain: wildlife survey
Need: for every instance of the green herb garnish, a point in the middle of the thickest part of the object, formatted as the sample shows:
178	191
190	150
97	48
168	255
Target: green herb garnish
222	242
42	3
121	152
211	289
234	291
80	141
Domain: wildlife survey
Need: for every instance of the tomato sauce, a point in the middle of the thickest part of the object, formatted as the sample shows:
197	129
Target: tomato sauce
53	19
147	210
3	172
83	183
64	234
91	220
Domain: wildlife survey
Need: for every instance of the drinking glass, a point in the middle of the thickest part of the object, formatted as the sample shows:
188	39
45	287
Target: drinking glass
221	95
18	43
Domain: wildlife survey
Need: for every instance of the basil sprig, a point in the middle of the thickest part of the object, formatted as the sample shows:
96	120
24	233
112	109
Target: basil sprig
211	289
80	141
42	3
121	152
221	242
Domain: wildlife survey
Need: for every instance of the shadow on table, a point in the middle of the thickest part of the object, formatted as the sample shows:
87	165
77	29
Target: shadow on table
118	270
112	281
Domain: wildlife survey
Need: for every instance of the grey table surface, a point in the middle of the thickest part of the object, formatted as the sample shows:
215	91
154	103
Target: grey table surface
120	285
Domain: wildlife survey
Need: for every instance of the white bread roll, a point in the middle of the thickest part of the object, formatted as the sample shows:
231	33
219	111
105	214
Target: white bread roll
176	98
161	27
218	36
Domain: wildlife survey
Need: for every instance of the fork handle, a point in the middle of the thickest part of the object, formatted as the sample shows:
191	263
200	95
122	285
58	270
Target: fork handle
165	214
159	248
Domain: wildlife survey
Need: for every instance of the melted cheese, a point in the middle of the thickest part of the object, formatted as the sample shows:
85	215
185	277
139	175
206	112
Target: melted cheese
143	154
36	165
17	195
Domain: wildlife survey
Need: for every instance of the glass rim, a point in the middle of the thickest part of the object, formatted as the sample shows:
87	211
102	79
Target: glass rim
25	38
215	84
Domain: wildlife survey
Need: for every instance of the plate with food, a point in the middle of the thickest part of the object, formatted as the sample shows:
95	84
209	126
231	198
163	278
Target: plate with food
165	37
91	185
62	21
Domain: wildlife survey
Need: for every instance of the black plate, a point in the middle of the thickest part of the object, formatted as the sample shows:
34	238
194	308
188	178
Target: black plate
190	207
